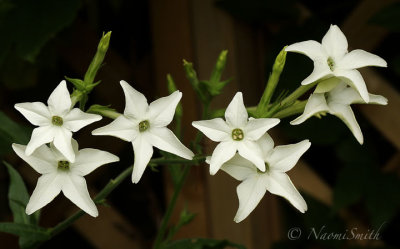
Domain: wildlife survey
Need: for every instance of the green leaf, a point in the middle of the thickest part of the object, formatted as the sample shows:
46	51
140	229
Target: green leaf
25	230
199	243
18	197
11	132
29	25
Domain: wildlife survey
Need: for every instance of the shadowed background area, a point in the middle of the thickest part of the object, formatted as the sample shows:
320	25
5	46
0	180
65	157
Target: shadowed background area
346	186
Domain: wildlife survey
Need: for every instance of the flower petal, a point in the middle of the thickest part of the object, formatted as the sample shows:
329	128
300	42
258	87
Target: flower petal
255	128
310	48
327	85
41	160
162	110
239	168
215	129
355	80
335	43
222	153
321	70
252	152
59	101
75	189
345	113
266	145
359	58
77	119
122	128
377	99
343	94
316	103
40	136
47	188
280	184
284	157
35	112
164	139
250	192
89	159
62	141
143	151
136	103
236	113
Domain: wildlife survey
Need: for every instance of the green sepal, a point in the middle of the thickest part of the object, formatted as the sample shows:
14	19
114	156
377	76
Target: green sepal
28	231
200	89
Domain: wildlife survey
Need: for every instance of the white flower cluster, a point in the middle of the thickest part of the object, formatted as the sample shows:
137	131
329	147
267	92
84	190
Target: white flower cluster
61	164
245	150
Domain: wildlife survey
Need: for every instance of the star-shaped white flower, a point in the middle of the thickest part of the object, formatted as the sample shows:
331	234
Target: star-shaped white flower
145	126
255	183
59	174
331	58
337	102
237	134
56	121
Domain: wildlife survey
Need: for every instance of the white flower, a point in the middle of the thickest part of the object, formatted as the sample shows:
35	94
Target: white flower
145	126
59	174
237	134
331	58
255	183
56	121
337	102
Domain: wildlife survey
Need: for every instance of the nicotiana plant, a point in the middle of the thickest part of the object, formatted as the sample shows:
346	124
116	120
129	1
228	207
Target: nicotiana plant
244	151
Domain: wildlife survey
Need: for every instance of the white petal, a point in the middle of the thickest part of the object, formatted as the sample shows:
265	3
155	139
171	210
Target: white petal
284	157
47	188
136	103
75	189
250	192
355	80
236	113
343	94
40	136
162	110
222	153
266	145
255	128
42	159
77	119
310	48
164	139
327	85
122	128
252	152
360	58
335	43
280	184
316	103
345	113
215	129
143	151
35	112
59	101
377	99
62	141
89	159
239	168
321	70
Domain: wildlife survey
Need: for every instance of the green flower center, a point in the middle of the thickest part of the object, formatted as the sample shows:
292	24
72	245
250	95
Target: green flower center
266	169
331	63
57	120
144	125
63	165
237	134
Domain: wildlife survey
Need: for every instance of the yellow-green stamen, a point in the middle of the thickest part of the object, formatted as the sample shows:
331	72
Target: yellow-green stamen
237	134
63	165
57	120
144	125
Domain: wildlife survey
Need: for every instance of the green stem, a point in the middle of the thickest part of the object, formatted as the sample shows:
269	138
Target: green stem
171	206
289	100
111	185
294	109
